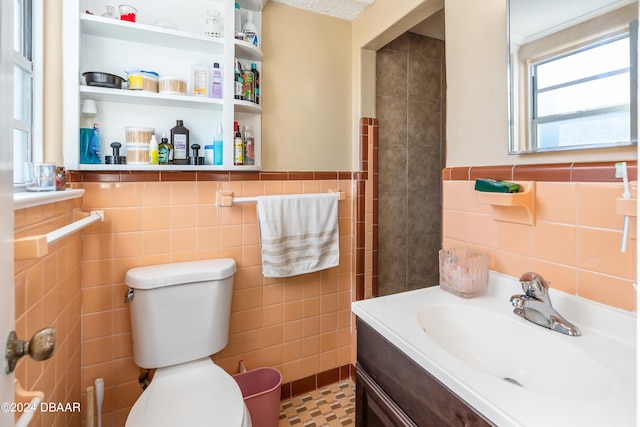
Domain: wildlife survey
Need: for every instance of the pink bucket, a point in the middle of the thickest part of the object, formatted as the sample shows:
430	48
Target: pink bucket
261	392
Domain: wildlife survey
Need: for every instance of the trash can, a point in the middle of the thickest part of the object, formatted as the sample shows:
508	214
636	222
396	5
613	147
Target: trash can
261	392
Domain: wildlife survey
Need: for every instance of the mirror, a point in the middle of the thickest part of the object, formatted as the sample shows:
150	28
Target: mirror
572	74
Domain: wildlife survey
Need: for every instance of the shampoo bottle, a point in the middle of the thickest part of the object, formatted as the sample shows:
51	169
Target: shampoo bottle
216	81
153	150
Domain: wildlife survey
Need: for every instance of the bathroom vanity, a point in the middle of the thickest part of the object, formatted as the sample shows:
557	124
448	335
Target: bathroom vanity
430	358
393	390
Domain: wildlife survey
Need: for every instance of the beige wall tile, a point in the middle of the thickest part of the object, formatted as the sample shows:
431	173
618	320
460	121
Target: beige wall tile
600	252
555	242
454	195
596	205
556	202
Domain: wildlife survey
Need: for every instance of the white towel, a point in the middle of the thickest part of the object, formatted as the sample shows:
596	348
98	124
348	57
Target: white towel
298	233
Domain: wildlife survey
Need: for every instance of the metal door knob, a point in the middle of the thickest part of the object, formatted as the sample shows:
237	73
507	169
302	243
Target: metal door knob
39	347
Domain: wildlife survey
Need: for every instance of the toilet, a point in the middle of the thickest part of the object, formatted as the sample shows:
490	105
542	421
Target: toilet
179	317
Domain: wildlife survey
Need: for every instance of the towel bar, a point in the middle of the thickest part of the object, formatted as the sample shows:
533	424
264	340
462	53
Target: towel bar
38	246
225	198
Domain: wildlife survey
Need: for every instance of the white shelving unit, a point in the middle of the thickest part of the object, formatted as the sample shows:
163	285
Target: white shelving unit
96	43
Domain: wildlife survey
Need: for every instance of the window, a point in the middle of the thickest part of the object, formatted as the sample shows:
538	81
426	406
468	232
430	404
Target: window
27	92
582	98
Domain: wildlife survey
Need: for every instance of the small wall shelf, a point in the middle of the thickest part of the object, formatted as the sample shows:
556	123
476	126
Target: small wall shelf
628	207
518	207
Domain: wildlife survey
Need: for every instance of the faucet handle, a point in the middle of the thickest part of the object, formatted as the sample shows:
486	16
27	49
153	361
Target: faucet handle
534	285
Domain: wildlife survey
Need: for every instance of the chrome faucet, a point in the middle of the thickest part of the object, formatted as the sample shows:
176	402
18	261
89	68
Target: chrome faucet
535	305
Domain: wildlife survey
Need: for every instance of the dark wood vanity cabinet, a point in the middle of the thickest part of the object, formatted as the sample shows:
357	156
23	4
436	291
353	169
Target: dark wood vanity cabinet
392	390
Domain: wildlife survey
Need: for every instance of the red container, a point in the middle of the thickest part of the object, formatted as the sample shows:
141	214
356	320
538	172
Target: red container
127	13
261	392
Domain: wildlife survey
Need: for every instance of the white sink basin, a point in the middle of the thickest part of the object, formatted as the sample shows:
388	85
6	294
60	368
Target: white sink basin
507	348
512	371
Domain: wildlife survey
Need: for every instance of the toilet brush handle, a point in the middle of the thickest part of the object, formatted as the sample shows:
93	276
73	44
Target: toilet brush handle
99	398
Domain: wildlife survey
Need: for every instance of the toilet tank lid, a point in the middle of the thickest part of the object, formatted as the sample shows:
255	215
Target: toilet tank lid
157	276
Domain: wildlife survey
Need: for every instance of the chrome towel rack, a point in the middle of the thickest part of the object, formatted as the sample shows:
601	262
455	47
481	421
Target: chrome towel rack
225	198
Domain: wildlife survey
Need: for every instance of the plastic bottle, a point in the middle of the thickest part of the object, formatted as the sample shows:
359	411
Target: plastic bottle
180	143
153	150
249	147
250	31
94	145
238	27
199	80
217	146
164	151
247	85
216	81
238	146
237	85
256	83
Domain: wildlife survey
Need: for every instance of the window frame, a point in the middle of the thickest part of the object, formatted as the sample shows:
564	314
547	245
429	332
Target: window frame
583	114
34	66
594	113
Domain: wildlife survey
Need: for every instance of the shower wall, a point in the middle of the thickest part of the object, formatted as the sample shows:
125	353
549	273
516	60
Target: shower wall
410	99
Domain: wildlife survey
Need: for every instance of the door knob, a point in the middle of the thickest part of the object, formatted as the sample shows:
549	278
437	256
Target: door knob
39	347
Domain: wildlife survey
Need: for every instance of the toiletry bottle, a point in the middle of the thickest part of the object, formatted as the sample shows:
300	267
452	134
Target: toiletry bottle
247	87
249	147
238	146
153	150
256	83
238	24
164	150
250	31
216	81
237	88
217	146
180	143
94	145
199	80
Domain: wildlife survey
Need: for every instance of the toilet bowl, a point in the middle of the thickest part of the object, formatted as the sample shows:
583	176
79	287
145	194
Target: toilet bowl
179	317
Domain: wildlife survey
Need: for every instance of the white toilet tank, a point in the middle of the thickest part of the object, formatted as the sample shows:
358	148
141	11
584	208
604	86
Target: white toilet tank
180	312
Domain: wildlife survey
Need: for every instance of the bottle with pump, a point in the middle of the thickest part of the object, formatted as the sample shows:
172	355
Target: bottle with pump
256	83
216	81
250	31
249	147
238	146
217	146
164	151
180	143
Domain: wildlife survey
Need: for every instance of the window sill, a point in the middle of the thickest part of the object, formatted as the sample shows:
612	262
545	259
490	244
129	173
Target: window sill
27	199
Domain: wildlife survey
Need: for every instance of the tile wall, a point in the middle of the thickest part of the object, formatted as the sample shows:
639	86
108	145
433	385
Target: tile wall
48	293
410	99
575	242
299	325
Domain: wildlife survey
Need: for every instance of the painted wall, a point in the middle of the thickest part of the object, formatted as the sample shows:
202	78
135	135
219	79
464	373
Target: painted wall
306	82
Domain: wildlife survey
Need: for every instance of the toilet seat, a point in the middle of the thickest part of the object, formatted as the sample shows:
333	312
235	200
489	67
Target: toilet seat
194	394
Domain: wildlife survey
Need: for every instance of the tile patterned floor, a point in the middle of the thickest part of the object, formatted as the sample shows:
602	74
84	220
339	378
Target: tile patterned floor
331	406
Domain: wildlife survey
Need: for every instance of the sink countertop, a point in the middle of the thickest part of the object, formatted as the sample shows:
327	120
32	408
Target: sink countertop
608	336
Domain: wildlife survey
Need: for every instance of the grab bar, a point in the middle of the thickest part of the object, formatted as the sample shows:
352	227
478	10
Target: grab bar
38	246
225	198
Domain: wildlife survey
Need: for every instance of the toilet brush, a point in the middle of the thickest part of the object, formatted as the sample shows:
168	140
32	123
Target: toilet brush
99	398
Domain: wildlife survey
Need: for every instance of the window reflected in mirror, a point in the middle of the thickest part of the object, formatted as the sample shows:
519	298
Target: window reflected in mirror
574	80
